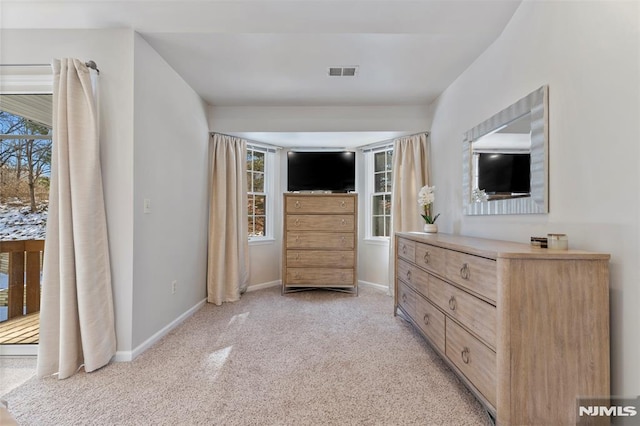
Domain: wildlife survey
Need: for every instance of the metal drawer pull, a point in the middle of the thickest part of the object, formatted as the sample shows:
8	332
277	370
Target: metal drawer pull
452	303
427	257
343	204
404	298
465	272
344	240
465	355
297	256
297	222
297	238
404	249
297	205
408	275
343	222
426	319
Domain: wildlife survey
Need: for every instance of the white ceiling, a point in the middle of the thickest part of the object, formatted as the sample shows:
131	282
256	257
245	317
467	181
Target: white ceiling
276	53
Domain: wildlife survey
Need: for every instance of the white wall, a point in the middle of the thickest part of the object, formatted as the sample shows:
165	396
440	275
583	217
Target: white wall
373	255
588	53
265	260
113	52
171	170
317	119
167	163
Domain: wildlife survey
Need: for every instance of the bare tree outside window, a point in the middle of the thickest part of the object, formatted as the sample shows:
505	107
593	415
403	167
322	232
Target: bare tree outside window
25	160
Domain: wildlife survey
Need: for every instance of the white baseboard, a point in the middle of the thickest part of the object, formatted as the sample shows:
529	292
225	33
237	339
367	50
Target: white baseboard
380	287
18	350
125	356
264	285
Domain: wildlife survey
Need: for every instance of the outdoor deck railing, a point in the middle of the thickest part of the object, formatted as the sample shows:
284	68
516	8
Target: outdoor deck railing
23	269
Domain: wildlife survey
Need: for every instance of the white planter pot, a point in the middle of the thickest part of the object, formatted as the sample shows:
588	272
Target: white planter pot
430	228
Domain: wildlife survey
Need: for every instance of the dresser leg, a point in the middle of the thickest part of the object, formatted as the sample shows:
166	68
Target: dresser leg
492	419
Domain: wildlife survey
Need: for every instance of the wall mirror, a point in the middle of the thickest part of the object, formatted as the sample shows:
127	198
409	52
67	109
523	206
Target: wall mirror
505	160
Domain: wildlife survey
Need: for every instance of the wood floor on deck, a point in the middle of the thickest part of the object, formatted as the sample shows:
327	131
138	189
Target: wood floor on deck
21	330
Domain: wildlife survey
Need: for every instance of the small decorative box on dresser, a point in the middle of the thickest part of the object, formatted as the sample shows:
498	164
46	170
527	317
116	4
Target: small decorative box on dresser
320	242
526	329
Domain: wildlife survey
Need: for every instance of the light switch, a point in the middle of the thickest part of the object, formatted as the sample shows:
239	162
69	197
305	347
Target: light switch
147	205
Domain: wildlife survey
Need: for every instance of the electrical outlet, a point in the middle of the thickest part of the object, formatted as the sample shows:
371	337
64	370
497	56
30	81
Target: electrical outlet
174	285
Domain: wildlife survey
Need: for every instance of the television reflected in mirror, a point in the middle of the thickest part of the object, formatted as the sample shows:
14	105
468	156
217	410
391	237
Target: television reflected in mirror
505	160
501	161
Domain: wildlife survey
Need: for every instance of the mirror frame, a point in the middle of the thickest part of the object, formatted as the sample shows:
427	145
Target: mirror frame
536	102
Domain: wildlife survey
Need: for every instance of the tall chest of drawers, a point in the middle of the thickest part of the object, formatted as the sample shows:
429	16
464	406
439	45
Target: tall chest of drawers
526	329
320	242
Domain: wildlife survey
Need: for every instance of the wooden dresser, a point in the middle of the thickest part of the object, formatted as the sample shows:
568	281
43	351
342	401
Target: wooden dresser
320	242
526	329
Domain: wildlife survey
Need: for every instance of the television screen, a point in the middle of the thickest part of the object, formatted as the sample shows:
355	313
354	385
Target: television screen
321	171
504	173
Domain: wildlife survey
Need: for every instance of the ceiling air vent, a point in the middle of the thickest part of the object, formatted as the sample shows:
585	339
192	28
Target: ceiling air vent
350	71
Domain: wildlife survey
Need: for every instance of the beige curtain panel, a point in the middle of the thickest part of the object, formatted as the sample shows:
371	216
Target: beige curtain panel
410	173
228	256
76	310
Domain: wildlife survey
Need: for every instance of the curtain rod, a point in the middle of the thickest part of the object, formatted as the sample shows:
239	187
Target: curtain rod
388	141
89	64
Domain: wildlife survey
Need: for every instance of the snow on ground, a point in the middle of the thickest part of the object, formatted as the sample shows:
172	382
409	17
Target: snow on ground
17	222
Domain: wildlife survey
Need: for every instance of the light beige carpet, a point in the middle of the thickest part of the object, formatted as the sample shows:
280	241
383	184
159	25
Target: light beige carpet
311	358
14	371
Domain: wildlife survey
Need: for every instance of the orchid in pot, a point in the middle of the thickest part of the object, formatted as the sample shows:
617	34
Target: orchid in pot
426	197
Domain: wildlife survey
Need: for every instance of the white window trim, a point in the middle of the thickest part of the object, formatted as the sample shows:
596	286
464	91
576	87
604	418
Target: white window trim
369	191
269	190
26	79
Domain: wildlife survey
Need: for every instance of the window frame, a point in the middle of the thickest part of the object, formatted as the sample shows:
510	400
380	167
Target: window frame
268	192
370	185
25	80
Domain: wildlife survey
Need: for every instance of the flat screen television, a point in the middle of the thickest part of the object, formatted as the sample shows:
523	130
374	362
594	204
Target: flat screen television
504	173
321	171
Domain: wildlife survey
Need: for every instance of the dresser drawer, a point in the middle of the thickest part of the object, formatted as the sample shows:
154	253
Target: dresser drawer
407	299
320	258
476	361
406	249
321	240
475	273
476	314
317	276
431	322
319	204
414	277
307	222
431	258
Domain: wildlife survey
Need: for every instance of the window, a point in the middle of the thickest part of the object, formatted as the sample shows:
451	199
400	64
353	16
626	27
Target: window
256	192
25	170
381	192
